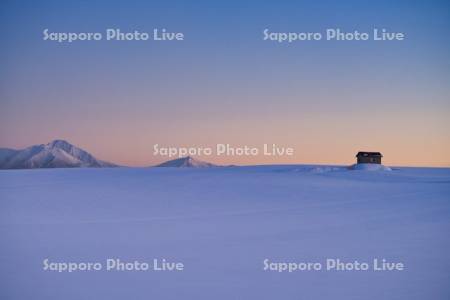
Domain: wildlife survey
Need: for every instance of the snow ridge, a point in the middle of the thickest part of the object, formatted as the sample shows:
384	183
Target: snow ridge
369	167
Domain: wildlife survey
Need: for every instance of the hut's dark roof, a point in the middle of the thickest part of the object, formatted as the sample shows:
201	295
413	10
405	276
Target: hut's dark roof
369	154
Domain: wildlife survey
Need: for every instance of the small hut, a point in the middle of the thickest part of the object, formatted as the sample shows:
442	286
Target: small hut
369	157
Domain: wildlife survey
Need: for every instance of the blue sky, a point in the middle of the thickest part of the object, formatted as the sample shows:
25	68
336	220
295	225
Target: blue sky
224	83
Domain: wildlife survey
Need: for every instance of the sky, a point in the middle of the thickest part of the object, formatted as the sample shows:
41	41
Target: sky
224	84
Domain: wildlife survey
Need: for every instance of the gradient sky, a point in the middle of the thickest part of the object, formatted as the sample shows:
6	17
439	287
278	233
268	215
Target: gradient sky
224	84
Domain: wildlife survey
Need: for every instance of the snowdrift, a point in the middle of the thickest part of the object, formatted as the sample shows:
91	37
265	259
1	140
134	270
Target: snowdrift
369	167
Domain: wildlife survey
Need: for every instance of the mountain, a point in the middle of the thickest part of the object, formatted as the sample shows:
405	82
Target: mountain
186	162
56	154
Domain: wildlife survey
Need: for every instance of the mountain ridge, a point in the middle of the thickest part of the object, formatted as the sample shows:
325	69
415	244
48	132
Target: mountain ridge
55	154
186	162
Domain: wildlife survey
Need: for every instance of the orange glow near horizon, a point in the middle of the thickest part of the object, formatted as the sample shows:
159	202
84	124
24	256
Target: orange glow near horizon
328	140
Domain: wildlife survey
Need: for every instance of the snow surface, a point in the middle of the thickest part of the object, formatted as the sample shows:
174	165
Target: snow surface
222	223
370	167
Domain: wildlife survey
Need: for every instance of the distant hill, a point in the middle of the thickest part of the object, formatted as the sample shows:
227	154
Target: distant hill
186	162
56	154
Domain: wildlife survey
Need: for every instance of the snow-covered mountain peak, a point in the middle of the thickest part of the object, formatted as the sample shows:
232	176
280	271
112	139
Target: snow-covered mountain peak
56	154
187	162
62	144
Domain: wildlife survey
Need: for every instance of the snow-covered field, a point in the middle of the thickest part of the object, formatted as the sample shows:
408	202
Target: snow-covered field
221	223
